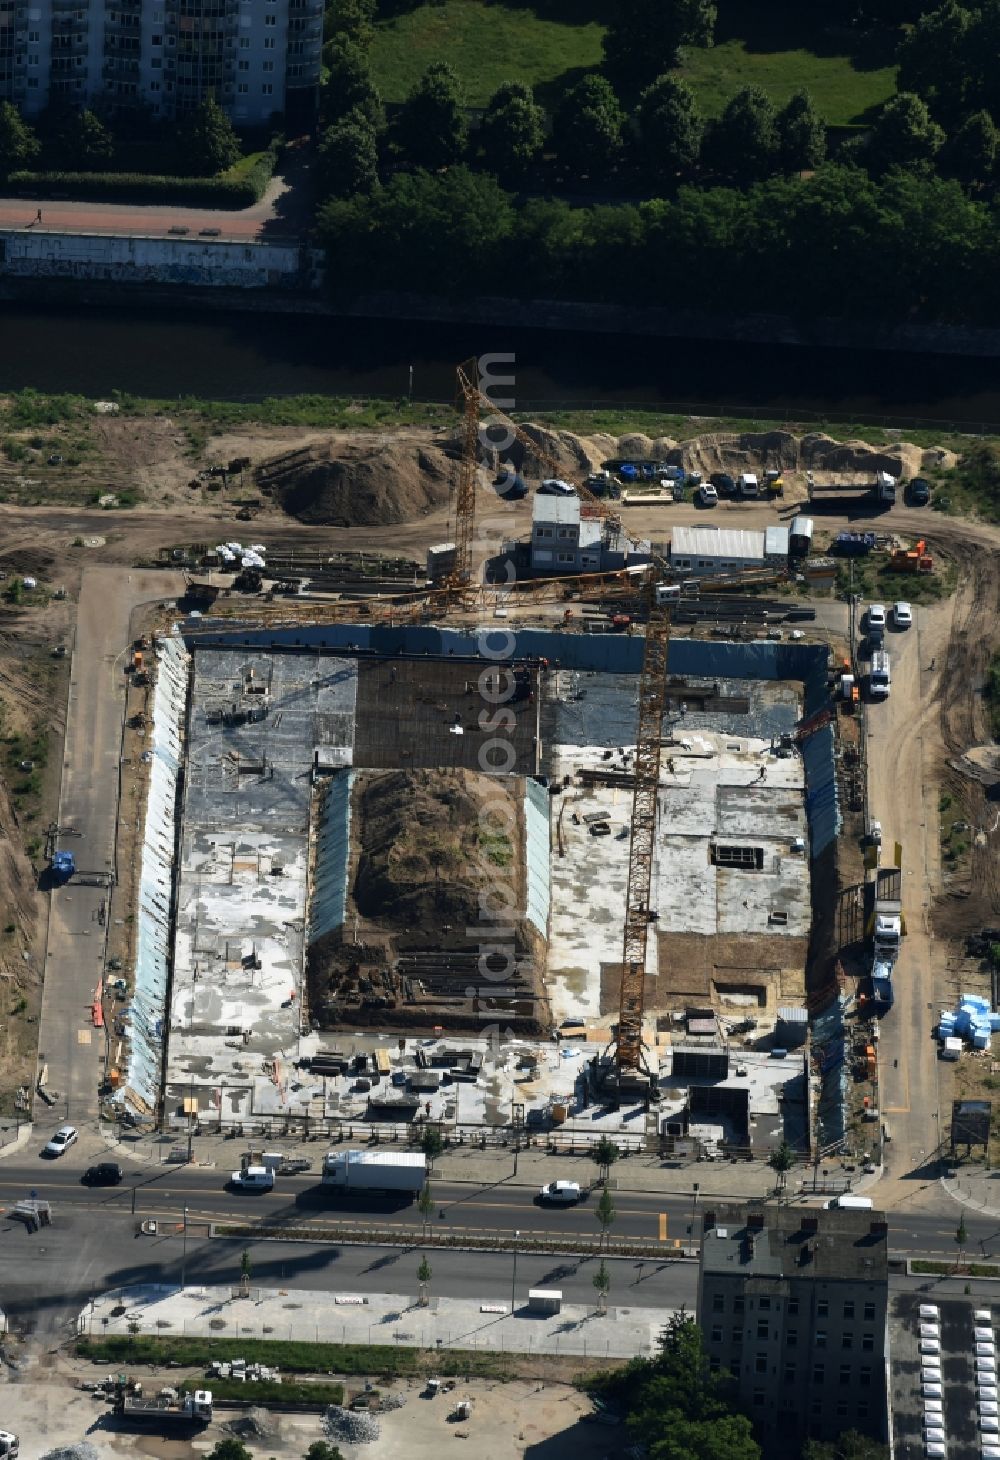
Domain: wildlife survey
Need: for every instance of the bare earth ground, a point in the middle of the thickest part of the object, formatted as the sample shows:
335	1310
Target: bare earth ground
935	714
509	1420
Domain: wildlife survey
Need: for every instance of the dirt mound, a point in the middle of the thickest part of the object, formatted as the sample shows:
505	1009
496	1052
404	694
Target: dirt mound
735	452
364	484
430	844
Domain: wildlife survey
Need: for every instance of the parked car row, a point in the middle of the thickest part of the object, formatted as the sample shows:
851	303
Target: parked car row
983	1354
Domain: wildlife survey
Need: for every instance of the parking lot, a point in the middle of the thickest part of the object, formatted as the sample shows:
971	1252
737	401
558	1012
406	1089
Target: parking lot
946	1377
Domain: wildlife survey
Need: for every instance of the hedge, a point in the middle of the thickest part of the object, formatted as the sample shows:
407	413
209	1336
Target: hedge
138	187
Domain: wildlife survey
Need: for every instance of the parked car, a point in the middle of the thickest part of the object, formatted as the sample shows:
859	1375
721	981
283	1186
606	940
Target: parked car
723	483
902	615
919	492
708	495
876	616
64	1137
105	1173
553	487
562	1193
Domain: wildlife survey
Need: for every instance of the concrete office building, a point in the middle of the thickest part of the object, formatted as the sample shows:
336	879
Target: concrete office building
258	58
793	1302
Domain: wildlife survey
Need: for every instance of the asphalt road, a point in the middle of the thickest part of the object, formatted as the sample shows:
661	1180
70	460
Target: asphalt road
661	1218
48	1277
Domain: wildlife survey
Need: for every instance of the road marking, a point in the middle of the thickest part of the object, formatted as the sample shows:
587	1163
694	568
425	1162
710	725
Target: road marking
663	1226
83	1036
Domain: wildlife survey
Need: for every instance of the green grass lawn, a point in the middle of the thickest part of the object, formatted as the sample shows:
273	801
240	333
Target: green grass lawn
486	43
551	43
842	93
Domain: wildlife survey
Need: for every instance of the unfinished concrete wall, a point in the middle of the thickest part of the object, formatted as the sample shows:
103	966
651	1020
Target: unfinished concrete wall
328	904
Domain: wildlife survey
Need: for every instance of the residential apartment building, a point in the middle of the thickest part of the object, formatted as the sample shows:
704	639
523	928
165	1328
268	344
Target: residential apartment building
793	1302
258	58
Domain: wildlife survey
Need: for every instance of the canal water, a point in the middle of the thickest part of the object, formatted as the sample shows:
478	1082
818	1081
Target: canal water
238	356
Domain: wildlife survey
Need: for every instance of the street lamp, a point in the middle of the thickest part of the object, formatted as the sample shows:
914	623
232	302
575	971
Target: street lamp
184	1251
513	1279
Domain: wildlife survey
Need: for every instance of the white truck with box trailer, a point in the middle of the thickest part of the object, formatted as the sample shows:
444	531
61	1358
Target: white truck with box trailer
375	1171
167	1410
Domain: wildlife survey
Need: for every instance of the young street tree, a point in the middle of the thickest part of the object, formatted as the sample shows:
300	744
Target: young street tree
801	135
18	144
512	132
781	1161
424	1274
323	1450
605	1153
425	1204
961	1240
230	1449
347	159
432	130
606	1212
206	140
645	37
432	1144
602	1282
588	127
745	138
670	130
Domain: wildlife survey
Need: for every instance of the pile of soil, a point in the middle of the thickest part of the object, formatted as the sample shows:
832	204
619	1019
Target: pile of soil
735	452
361	484
423	855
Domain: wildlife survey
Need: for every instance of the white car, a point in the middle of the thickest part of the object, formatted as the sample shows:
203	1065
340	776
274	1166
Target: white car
64	1137
876	615
707	495
983	1334
902	615
931	1310
930	1346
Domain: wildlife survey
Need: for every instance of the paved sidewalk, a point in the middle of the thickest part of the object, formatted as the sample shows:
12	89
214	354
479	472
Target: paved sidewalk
736	1179
484	1321
974	1187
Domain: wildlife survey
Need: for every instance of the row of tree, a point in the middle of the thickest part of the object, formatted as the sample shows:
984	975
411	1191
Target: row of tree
949	59
839	244
67	139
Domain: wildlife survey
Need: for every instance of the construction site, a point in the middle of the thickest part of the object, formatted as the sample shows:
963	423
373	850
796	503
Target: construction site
403	870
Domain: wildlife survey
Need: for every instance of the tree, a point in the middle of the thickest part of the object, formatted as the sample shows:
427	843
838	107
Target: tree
801	135
322	1450
781	1161
425	1204
606	1212
644	37
971	153
850	1445
206	141
432	130
605	1154
937	61
230	1449
513	131
347	159
588	127
670	129
18	144
961	1239
744	141
76	140
904	135
424	1275
355	18
349	87
246	1270
602	1282
432	1144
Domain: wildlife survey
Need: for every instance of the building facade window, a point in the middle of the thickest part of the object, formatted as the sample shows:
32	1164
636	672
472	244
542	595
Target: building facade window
868	1342
869	1312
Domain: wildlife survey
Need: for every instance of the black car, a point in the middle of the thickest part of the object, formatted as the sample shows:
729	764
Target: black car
723	483
919	492
105	1174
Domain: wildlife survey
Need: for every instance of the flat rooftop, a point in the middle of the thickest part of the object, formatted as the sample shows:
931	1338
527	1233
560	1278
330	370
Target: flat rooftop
796	1242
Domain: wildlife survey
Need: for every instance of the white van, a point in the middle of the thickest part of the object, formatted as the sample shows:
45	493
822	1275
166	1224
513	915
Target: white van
879	675
253	1178
563	1193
